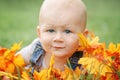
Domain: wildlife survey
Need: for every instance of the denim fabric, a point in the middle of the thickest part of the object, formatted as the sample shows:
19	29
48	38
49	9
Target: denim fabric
37	57
74	59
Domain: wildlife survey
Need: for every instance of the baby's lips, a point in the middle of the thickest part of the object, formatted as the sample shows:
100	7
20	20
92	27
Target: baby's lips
56	46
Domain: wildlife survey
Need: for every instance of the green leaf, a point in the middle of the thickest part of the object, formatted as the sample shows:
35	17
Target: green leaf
19	78
89	77
113	57
69	65
82	77
118	73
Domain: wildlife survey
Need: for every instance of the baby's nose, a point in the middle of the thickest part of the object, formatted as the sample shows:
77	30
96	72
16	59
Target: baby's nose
58	37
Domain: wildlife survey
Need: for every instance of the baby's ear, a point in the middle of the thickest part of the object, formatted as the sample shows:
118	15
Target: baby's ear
86	32
38	31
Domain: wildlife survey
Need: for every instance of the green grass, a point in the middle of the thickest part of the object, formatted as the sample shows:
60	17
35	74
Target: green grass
104	19
18	21
19	18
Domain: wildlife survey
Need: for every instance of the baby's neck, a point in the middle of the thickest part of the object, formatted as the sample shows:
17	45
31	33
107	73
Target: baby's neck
59	63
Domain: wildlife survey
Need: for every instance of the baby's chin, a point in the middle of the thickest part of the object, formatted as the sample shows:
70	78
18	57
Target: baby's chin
61	55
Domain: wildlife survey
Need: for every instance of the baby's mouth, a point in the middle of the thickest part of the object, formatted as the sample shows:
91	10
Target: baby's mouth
58	47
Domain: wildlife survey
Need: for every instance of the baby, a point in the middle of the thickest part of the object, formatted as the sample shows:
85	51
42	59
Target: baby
60	21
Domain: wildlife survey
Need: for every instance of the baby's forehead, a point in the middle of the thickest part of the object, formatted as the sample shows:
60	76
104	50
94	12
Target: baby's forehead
62	4
63	12
62	8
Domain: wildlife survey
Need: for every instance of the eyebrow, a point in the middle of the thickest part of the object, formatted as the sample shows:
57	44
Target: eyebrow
50	25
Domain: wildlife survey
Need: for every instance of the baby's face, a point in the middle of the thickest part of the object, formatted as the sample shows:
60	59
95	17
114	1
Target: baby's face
60	40
59	27
60	36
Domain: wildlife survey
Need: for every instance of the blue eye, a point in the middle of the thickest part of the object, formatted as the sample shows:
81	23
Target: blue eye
50	30
67	31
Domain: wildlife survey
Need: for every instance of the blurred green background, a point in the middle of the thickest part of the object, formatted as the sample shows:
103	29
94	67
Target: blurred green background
19	18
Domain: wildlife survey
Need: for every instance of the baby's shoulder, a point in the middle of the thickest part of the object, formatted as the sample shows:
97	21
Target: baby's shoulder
37	54
28	50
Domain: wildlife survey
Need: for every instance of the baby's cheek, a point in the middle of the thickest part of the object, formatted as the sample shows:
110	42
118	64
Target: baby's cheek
45	43
74	40
74	44
46	47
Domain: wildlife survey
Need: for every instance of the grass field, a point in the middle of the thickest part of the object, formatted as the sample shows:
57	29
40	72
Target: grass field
19	18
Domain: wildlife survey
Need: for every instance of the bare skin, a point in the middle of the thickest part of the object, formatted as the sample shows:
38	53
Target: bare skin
59	23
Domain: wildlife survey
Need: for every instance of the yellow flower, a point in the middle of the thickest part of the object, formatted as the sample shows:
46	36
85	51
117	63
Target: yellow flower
16	46
77	72
19	61
94	66
68	74
112	48
25	76
42	75
50	70
83	42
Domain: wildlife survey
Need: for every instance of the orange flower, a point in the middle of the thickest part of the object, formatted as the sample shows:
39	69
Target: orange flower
42	75
2	50
112	49
113	52
98	59
48	74
88	45
9	61
68	74
10	67
3	64
83	42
